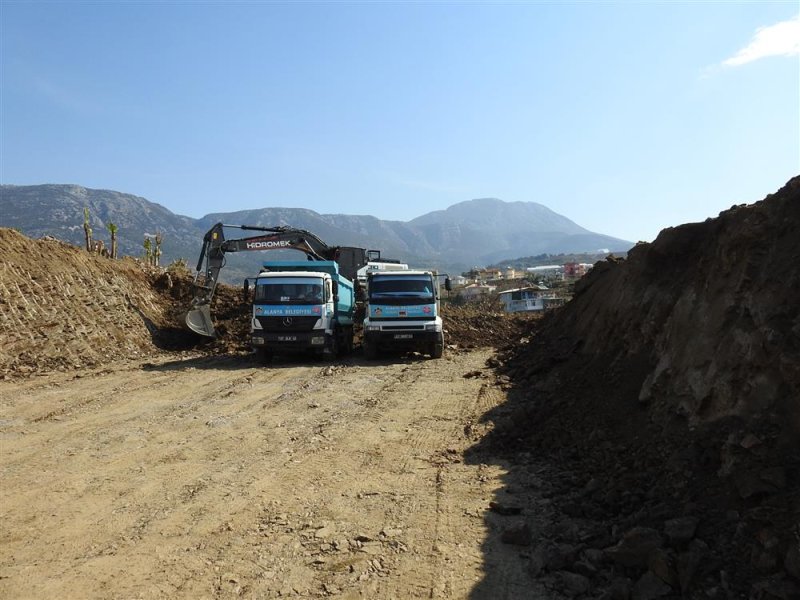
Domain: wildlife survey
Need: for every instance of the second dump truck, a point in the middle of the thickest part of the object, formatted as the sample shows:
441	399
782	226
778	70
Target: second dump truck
403	312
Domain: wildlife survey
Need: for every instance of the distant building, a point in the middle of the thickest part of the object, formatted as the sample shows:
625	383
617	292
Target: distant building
528	299
547	271
486	274
476	291
573	270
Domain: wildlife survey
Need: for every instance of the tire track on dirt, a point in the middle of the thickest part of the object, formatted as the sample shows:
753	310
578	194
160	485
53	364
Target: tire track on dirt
389	452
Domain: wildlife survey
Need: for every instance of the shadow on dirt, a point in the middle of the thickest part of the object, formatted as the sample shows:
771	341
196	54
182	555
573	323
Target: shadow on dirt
602	499
576	479
520	511
172	338
227	362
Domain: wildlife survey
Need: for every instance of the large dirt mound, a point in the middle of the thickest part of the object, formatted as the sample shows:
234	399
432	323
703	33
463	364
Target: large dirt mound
670	385
64	308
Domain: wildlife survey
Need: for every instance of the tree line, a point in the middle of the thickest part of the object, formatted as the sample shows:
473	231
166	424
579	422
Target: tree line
151	244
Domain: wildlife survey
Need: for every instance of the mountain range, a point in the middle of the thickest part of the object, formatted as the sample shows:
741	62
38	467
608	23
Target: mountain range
470	233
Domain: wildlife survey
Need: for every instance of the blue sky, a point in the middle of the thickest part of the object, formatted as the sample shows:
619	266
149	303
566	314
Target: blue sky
626	117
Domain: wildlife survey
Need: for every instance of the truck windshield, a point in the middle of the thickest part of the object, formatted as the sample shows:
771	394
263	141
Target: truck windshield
289	290
411	290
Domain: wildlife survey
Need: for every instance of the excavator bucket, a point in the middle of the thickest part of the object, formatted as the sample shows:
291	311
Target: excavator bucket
199	320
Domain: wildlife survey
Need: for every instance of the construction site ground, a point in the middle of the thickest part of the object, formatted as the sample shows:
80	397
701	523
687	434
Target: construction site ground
213	476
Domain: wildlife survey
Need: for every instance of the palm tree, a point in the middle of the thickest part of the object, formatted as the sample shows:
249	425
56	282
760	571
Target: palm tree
113	229
157	251
87	230
148	250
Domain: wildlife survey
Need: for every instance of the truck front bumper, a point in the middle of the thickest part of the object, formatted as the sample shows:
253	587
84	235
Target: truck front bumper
296	341
402	339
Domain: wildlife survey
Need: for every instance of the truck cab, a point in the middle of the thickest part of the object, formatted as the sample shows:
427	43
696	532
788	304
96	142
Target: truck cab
402	313
379	265
302	306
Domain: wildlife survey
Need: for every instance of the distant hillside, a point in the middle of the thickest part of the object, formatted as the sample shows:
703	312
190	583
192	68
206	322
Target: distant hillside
491	230
476	232
57	210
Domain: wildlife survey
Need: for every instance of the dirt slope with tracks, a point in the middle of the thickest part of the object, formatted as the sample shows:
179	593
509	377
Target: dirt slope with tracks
63	308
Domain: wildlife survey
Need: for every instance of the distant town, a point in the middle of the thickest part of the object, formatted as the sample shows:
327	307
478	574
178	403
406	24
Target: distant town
546	282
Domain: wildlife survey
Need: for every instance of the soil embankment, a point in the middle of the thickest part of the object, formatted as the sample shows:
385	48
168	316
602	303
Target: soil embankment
669	390
64	308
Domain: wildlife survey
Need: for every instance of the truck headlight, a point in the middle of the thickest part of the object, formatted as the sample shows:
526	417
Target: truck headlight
432	327
373	327
318	340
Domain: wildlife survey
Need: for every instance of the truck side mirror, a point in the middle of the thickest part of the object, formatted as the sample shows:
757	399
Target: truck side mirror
246	289
448	284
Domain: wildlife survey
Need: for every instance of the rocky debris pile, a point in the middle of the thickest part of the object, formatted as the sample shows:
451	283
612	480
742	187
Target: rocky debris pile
483	324
668	390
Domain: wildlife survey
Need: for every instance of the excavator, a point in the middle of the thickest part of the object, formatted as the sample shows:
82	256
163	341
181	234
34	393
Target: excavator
349	260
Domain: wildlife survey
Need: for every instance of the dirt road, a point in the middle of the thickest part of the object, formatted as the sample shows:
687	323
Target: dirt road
217	477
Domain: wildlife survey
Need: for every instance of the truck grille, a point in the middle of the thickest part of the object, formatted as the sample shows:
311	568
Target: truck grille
288	323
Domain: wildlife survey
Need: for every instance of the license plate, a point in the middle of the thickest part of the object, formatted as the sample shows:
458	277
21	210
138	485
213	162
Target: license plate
287	338
403	336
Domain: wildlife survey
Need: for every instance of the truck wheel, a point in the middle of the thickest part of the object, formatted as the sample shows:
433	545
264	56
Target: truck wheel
264	355
331	352
348	341
370	350
437	348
